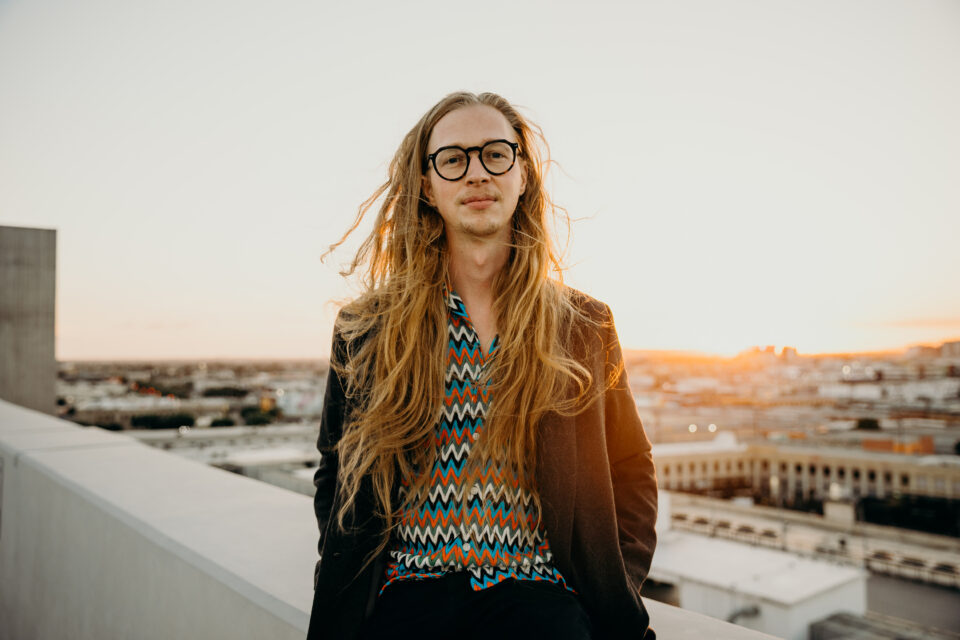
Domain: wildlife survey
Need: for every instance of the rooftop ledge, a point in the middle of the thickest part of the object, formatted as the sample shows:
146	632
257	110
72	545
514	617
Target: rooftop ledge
102	536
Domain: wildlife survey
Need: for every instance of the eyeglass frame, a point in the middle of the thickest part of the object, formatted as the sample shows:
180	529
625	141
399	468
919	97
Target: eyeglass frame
432	158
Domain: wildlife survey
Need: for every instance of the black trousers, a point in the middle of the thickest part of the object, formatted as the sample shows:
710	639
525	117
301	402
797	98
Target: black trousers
447	607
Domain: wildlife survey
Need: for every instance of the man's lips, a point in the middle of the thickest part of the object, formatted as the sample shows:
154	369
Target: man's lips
479	202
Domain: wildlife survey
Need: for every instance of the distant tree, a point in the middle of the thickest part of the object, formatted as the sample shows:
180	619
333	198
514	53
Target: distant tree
183	390
111	426
257	419
152	421
222	422
224	392
868	424
147	421
181	420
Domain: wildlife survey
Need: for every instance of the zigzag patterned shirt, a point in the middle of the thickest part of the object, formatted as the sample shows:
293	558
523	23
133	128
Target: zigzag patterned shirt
481	535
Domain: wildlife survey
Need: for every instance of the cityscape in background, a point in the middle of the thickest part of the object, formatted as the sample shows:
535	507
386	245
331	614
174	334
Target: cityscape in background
803	496
855	410
852	459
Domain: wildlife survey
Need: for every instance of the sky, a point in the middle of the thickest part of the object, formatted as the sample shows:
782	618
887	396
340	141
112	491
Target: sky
738	173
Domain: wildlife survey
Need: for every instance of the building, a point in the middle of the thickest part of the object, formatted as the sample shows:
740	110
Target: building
847	626
919	492
803	472
950	349
768	590
28	283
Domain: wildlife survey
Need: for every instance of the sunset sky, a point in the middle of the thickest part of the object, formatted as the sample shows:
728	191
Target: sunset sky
738	172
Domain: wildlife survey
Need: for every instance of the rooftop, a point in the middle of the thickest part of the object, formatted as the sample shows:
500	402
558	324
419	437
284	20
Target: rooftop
767	574
720	443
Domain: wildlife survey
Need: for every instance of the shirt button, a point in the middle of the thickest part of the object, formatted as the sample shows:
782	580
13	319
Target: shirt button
466	546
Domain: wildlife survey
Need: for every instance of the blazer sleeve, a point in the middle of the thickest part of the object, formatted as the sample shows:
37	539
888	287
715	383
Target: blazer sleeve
331	428
631	464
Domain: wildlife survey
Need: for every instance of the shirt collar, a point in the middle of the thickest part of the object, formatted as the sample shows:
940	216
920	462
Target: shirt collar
456	307
454	302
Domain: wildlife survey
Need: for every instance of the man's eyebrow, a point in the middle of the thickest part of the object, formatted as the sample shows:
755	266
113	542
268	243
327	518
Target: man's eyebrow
464	146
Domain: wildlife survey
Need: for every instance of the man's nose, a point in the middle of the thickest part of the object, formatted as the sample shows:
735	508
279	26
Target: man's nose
476	172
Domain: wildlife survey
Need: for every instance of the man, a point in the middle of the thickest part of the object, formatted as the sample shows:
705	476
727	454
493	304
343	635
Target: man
484	472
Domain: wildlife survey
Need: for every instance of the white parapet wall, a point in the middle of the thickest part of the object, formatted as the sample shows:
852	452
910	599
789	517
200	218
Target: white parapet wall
103	537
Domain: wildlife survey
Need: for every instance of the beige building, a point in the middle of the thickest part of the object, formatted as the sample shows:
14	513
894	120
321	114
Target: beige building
791	473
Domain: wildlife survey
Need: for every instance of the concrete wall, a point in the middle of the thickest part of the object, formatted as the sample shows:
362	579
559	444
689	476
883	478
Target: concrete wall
28	275
104	537
721	604
790	622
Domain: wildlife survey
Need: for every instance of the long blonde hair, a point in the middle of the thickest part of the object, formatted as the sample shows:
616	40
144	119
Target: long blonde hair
395	333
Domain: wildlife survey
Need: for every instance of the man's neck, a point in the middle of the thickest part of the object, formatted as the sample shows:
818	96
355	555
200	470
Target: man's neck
473	268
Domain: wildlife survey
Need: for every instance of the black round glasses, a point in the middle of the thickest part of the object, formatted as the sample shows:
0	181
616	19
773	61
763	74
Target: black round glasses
451	163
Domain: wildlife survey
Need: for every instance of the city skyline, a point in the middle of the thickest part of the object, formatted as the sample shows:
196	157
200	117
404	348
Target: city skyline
756	173
682	353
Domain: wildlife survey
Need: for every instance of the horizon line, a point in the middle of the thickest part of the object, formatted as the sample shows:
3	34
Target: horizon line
682	352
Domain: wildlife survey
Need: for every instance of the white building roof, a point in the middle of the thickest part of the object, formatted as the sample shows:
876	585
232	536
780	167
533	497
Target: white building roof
722	442
871	456
767	574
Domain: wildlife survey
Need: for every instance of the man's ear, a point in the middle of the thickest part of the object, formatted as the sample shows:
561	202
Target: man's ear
425	189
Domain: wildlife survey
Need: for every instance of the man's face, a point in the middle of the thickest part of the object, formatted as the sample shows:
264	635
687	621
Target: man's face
479	205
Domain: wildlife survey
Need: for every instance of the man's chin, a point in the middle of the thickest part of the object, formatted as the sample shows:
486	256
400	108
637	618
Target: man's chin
483	230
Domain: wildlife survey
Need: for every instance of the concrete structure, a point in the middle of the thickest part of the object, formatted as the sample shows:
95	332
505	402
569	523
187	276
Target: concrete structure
912	555
765	589
845	626
102	536
28	279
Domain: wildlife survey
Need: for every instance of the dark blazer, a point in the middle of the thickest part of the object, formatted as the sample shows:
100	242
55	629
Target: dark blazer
597	487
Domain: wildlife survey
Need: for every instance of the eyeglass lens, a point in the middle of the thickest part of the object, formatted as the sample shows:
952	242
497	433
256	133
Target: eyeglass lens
496	157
